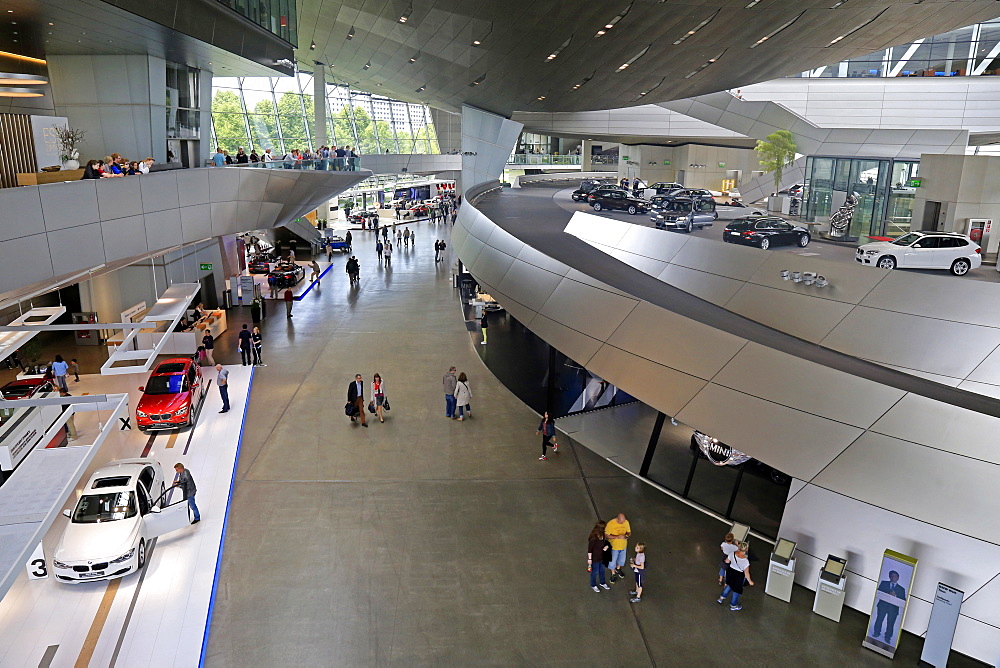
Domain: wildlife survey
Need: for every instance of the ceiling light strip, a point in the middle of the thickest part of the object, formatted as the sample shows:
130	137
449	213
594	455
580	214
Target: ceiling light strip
631	60
18	56
854	30
555	54
775	32
710	61
647	92
611	24
698	27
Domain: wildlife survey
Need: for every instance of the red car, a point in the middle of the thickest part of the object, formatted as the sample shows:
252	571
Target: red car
418	210
170	396
25	389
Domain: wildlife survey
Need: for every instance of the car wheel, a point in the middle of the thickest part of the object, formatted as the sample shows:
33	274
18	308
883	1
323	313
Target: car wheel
960	267
632	210
141	561
765	244
886	262
804	240
597	206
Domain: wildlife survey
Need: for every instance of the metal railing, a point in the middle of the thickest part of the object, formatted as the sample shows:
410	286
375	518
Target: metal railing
600	159
326	165
542	159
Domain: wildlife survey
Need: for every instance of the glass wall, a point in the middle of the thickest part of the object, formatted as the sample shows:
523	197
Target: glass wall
970	51
183	102
275	16
258	113
882	192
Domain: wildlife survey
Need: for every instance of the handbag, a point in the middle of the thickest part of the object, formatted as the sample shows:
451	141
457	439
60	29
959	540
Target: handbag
385	403
371	406
349	409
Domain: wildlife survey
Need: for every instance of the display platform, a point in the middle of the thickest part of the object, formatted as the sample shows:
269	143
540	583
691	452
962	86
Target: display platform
302	286
157	616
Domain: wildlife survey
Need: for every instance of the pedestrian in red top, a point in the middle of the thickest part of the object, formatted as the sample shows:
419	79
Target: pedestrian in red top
288	302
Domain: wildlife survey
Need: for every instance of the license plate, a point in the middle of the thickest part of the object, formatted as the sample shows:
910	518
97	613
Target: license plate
92	574
734	234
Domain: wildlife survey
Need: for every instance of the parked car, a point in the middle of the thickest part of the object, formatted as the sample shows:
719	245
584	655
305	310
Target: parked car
794	191
924	250
170	396
123	506
587	186
260	263
25	389
287	274
663	187
616	198
685	213
764	232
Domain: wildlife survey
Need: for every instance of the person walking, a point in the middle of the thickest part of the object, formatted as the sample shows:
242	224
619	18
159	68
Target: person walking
463	395
208	343
246	356
59	369
378	396
258	342
353	270
288	302
329	252
450	382
387	252
315	271
406	237
385	233
437	250
378	250
349	239
399	237
483	324
618	531
728	547
185	481
638	564
547	428
272	286
597	547
222	380
356	398
74	368
739	568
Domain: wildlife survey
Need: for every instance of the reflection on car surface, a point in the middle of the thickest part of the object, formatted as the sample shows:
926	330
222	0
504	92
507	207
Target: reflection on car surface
924	250
170	396
616	199
764	232
25	388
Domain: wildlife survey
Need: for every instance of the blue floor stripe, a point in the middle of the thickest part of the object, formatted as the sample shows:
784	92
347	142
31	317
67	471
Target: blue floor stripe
325	272
225	526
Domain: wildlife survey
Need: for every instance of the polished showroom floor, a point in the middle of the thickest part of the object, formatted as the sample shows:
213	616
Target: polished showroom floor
426	541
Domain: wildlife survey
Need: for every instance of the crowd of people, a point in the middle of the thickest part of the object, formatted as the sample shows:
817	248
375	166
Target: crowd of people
332	158
114	166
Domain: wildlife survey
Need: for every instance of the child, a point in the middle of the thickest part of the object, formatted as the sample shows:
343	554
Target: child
638	564
728	547
74	369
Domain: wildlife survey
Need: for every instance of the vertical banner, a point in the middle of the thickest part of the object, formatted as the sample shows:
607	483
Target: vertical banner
941	627
889	607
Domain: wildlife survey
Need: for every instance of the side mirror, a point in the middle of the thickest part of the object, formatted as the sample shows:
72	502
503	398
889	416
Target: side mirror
142	388
67	513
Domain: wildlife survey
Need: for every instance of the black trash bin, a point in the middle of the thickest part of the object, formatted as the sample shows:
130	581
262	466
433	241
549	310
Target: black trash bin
255	312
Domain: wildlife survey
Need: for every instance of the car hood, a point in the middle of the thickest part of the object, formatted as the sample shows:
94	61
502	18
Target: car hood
162	403
881	246
98	542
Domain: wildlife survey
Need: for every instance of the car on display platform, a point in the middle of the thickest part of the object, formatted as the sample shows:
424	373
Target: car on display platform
589	185
124	505
417	210
170	396
363	218
617	199
685	214
764	232
260	263
27	388
663	187
924	250
287	274
689	192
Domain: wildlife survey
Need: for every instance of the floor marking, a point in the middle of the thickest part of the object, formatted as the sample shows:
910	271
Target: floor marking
149	446
316	282
172	440
50	653
90	643
131	607
201	406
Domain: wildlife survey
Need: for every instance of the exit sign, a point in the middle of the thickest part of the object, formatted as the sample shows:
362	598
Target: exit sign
206	266
666	162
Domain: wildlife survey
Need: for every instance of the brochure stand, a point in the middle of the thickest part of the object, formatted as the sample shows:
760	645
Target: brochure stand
781	571
831	586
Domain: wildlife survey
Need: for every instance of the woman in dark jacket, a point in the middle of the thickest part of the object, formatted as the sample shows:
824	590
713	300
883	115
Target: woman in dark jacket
91	171
598	551
547	428
241	157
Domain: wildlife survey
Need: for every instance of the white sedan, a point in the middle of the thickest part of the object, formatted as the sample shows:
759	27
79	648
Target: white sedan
124	505
924	250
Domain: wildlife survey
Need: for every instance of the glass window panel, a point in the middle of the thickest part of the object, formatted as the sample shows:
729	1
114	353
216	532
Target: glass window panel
264	130
760	501
255	83
285	85
225	82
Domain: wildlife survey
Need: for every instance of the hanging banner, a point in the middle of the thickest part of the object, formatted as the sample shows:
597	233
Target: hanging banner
941	626
889	607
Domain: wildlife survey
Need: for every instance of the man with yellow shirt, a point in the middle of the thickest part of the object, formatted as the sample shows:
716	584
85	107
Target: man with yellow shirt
617	532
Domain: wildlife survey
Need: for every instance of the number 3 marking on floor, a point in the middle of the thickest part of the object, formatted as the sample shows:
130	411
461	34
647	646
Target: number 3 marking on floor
37	570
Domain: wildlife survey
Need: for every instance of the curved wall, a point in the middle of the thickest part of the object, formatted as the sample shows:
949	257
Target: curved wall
876	465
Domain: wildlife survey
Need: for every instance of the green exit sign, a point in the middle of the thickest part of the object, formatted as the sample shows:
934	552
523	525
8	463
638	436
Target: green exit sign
666	162
914	183
722	165
624	157
206	266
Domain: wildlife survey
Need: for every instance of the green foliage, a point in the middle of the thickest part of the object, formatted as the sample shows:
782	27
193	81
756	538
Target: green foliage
30	352
227	117
776	152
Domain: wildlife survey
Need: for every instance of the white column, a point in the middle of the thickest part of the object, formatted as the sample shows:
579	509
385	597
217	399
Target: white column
319	106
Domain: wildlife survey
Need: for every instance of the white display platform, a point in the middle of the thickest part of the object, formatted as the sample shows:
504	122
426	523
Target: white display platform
152	618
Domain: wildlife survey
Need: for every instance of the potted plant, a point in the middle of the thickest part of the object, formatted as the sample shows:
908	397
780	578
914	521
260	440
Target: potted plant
776	151
69	141
30	352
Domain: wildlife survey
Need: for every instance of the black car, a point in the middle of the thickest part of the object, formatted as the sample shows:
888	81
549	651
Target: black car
685	213
260	263
616	198
586	187
765	232
287	274
662	187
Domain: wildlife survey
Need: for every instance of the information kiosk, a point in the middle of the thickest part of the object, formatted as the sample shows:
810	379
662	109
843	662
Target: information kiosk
830	588
781	571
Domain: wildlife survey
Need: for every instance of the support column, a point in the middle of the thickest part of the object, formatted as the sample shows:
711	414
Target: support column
319	107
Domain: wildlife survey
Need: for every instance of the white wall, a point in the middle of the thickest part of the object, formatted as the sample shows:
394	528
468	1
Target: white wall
966	185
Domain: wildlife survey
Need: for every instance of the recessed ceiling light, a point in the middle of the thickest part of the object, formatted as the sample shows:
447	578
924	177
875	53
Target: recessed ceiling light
406	15
540	98
555	54
350	33
51	23
476	42
698	27
421	89
312	46
611	24
367	65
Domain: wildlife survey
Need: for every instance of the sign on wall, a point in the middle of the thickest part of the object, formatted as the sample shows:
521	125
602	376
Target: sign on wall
889	607
46	142
206	266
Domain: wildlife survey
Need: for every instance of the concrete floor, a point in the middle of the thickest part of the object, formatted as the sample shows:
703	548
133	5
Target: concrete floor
426	541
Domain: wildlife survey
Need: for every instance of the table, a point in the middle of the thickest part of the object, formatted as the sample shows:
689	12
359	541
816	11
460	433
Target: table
41	178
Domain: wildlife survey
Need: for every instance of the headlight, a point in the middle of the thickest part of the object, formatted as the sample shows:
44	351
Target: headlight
124	557
181	411
871	252
140	413
59	564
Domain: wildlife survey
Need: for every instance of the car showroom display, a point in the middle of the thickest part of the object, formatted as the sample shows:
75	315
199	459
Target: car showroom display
171	396
287	274
924	250
26	388
764	232
685	214
260	263
123	506
616	199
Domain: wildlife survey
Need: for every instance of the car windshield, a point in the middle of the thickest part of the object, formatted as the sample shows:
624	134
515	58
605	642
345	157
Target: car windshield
164	384
906	240
93	508
678	206
17	391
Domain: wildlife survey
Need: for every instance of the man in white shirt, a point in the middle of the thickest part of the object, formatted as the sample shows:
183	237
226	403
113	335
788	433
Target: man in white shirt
267	156
145	165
